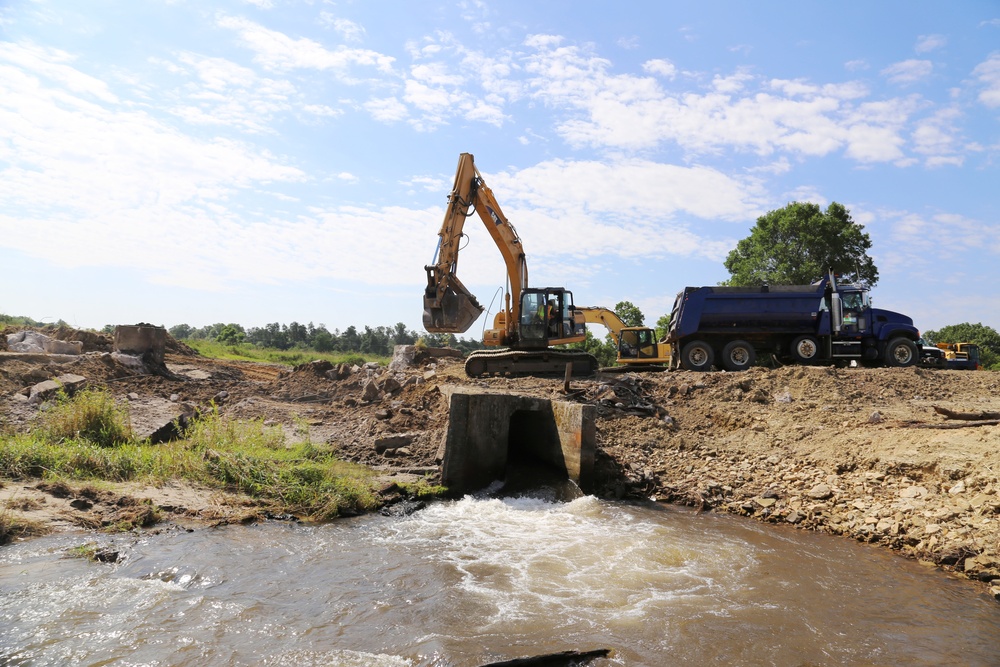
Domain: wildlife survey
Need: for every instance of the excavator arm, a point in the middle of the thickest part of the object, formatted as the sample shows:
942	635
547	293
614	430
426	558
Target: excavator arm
449	307
605	316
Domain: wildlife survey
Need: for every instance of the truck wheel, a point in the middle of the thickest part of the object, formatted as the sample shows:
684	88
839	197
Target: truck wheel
900	352
738	355
697	356
805	349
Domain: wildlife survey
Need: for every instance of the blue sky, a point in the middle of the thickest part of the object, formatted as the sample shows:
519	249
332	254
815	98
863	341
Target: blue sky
274	161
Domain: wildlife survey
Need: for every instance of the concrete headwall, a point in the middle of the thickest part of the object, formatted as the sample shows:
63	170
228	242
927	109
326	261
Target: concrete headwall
141	340
485	429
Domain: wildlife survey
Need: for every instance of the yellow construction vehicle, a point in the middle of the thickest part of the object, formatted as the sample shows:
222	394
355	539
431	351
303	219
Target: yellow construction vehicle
960	356
638	349
529	324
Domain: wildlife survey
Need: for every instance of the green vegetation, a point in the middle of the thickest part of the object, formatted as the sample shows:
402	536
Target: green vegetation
21	321
987	338
371	342
292	357
92	416
798	244
239	456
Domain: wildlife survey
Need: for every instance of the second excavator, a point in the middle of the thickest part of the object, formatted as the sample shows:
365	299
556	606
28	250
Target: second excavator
531	321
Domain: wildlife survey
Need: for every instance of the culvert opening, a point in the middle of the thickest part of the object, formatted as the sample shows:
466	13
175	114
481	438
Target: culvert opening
534	453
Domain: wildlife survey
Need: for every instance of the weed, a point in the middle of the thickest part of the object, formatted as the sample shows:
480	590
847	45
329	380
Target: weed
86	551
90	415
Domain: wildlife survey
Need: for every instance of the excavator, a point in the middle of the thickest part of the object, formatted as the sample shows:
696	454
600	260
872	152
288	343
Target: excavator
961	356
638	349
532	320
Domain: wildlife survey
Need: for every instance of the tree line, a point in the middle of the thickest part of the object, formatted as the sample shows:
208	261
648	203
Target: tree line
377	341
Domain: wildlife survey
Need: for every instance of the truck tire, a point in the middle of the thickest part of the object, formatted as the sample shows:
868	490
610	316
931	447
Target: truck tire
738	355
900	353
805	349
697	356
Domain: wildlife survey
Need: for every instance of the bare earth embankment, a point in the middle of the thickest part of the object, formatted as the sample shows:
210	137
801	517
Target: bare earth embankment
855	452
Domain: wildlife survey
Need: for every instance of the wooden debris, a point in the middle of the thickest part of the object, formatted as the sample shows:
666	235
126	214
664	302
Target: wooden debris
968	416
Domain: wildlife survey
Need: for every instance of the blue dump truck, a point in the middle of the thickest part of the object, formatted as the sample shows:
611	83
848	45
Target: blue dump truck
730	327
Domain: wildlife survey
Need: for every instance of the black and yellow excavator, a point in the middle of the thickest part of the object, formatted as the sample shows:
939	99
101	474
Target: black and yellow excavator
638	349
532	320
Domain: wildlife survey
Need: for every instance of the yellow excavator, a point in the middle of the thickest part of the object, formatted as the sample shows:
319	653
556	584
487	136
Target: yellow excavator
638	349
961	356
531	321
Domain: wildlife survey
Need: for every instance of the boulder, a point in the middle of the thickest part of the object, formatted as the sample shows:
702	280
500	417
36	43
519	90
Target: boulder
370	392
44	390
32	341
394	441
820	492
391	385
402	357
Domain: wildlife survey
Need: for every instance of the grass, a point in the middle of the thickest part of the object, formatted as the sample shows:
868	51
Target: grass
86	439
92	415
247	352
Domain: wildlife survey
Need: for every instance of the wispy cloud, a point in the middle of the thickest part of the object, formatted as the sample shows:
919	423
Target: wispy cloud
927	43
908	71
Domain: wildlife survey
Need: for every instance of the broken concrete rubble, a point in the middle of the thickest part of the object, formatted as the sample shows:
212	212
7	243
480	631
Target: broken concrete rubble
42	391
32	341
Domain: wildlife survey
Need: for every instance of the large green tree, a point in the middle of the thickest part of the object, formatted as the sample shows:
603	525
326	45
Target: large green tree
798	244
987	338
629	313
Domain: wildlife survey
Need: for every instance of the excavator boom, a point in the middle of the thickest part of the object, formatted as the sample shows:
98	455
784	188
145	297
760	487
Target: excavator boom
448	306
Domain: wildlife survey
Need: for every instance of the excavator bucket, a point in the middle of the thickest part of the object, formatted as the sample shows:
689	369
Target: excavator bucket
454	311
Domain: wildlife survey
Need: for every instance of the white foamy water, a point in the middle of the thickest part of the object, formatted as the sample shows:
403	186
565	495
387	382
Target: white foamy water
478	580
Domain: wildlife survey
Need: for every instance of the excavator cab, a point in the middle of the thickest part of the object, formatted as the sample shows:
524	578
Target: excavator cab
549	318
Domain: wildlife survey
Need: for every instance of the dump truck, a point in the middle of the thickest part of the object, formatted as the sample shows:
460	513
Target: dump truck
824	322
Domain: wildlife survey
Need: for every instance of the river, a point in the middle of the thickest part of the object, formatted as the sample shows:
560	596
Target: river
476	580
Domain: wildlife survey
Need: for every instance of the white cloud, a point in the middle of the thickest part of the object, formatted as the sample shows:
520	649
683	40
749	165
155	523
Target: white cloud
627	208
386	109
660	67
277	51
349	30
988	74
908	71
936	138
926	43
53	65
794	116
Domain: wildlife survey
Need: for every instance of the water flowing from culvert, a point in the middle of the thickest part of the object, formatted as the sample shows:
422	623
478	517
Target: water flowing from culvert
477	580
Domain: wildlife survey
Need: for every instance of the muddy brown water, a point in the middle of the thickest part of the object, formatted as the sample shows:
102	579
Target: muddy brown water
467	582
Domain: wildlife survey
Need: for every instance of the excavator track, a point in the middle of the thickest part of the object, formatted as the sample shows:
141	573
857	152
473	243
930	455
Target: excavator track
634	368
529	362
